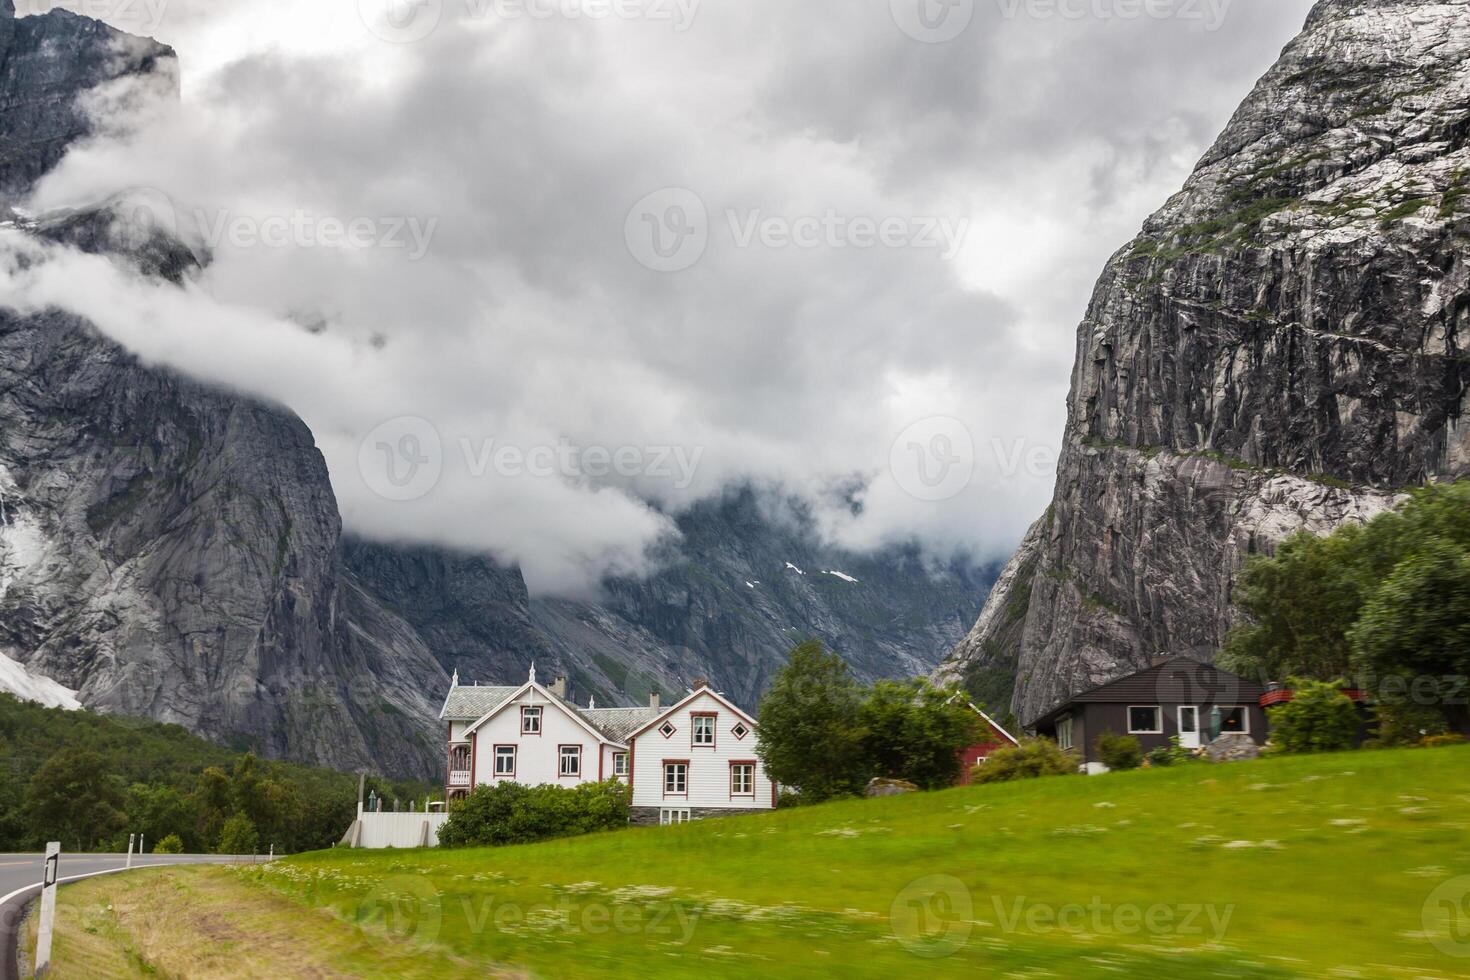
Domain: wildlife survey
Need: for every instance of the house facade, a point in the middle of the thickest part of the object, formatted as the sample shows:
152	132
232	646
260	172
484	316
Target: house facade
1174	697
994	737
694	759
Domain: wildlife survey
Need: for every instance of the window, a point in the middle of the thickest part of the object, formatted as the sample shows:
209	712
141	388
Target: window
676	779
739	731
668	816
620	763
1064	733
667	729
742	779
531	720
505	760
1234	720
704	731
1145	720
571	760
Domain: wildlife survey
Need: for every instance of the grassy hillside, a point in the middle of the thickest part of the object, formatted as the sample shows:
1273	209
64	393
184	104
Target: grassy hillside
1286	867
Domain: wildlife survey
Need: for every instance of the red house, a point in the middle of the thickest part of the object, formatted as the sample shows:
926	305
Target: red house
996	738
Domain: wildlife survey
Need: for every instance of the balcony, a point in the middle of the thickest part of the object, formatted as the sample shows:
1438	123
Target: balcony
459	778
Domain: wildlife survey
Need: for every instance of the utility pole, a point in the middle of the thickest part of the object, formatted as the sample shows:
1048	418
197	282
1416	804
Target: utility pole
48	908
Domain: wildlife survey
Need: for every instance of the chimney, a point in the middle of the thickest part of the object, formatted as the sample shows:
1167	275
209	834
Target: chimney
700	684
653	700
559	687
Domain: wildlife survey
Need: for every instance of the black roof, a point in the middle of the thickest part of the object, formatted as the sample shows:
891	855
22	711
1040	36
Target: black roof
1171	680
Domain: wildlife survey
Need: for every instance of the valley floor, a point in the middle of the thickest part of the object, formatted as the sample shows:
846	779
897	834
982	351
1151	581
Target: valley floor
1352	865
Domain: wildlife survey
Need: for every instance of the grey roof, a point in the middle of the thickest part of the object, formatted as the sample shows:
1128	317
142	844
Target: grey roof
618	723
474	703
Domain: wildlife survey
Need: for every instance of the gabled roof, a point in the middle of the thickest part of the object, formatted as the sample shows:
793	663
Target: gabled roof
569	709
472	703
1170	680
617	724
702	689
995	725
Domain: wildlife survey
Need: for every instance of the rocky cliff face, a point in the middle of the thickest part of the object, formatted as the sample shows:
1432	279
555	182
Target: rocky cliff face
174	551
1283	346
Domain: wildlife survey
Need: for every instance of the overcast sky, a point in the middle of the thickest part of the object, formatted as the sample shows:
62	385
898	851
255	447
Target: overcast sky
835	246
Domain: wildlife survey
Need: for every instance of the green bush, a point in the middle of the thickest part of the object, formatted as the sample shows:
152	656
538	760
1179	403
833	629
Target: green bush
239	836
172	844
509	813
1033	758
1404	725
1119	751
1172	754
1319	718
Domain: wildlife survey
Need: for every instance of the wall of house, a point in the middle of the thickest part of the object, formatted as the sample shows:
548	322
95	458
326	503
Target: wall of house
538	757
1099	718
709	768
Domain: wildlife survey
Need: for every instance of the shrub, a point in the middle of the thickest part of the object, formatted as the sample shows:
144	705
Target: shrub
1119	751
1033	758
509	813
1319	718
1172	754
1440	741
239	836
171	844
1401	725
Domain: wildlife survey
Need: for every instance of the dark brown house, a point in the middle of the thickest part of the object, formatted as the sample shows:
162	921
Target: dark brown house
1177	696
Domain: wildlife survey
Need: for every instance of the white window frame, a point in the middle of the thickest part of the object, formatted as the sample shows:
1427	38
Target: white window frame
670	816
1066	729
528	713
703	724
1245	717
749	770
500	754
669	767
1158	711
620	763
564	753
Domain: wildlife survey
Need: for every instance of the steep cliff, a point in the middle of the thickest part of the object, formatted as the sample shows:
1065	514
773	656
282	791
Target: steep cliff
1282	346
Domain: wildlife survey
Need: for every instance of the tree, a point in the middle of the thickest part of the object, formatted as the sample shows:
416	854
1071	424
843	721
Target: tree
914	731
239	836
810	734
157	812
1032	759
171	844
73	799
1319	718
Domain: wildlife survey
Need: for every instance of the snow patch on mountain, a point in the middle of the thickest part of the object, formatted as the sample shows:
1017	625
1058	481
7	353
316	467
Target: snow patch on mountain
845	578
15	679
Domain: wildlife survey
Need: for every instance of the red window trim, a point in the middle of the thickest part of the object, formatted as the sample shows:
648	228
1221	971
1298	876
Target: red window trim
742	762
714	729
673	729
739	736
540	719
664	774
580	754
515	761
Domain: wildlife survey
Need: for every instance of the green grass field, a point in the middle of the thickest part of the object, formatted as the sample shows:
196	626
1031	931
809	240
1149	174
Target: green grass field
1352	865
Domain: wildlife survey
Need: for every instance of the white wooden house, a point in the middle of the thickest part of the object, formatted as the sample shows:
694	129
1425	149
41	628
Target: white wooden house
694	759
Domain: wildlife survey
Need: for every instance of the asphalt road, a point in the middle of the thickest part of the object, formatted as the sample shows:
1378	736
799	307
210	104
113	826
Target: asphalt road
20	882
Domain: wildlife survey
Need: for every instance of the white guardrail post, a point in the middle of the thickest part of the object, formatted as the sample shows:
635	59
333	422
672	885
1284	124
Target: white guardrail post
48	908
130	850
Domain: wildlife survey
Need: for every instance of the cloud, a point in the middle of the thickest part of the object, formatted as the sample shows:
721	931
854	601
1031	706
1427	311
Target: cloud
861	235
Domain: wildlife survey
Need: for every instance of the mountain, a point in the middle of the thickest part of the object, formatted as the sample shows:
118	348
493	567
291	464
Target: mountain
1283	346
175	551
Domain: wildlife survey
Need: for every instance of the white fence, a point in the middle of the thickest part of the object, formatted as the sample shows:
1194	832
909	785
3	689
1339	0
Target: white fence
374	830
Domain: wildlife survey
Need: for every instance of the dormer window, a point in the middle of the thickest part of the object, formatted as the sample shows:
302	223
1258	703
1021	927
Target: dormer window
531	720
